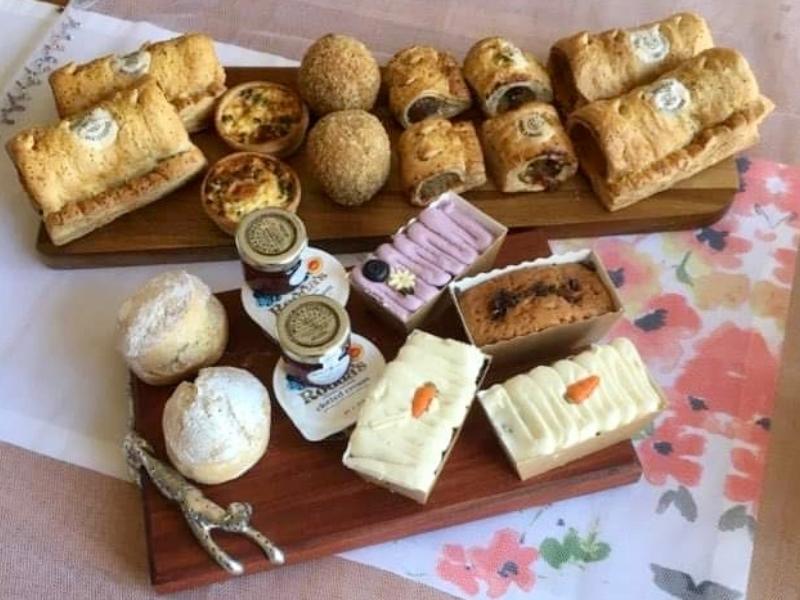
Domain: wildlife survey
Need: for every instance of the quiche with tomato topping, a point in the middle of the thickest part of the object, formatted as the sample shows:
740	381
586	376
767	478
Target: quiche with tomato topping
260	116
246	181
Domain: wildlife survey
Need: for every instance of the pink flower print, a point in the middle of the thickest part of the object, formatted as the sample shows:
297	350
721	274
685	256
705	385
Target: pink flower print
454	567
692	411
633	273
504	562
785	270
744	484
659	330
668	453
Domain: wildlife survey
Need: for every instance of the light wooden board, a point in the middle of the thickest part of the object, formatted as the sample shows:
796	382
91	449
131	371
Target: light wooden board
175	228
308	503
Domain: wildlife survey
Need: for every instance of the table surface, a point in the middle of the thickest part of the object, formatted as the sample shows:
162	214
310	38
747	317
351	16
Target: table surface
763	31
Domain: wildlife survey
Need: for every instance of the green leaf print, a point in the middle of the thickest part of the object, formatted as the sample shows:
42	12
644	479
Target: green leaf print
682	271
574	549
553	552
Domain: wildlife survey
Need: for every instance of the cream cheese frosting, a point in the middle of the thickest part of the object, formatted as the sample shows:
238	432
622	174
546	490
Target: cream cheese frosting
392	445
533	415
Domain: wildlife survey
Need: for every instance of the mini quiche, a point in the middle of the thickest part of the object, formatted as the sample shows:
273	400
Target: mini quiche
242	182
262	117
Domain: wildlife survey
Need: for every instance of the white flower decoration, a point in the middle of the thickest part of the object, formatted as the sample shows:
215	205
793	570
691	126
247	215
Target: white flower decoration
402	280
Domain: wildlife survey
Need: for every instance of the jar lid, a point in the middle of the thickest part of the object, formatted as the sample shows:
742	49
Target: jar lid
312	326
271	239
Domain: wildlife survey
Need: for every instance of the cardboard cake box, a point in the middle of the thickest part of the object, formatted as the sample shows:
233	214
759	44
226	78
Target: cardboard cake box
439	303
554	341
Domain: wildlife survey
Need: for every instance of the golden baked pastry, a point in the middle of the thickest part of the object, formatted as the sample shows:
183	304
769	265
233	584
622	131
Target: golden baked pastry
527	149
350	155
504	77
186	68
436	156
592	66
242	182
89	169
338	72
260	116
424	82
690	118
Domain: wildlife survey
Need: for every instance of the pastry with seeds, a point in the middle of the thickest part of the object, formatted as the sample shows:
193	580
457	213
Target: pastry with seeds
527	149
186	68
436	156
261	116
243	182
350	155
424	82
338	72
504	77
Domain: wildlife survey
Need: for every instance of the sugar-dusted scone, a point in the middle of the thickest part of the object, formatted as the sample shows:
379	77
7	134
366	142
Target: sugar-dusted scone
413	413
436	156
527	149
529	300
186	68
504	77
592	66
555	414
424	82
645	141
89	169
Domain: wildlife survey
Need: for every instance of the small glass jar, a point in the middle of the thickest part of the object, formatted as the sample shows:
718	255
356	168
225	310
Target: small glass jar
270	243
314	336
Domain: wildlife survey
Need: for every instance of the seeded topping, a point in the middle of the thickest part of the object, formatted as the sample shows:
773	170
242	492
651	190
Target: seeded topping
260	114
236	187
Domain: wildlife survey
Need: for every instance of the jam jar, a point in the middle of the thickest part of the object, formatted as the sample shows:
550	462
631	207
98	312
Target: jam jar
270	243
314	336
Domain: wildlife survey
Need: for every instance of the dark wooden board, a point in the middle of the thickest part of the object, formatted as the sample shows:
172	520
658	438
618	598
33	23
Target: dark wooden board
308	503
175	228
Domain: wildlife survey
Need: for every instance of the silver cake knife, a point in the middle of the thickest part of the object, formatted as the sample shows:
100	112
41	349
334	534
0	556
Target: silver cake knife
202	515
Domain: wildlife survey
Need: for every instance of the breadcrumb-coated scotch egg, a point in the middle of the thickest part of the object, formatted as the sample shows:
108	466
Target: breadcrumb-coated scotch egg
338	73
350	155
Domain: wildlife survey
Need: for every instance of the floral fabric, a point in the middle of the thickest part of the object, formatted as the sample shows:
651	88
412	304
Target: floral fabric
707	310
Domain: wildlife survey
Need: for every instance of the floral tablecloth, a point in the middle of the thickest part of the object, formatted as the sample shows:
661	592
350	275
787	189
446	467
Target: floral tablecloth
707	310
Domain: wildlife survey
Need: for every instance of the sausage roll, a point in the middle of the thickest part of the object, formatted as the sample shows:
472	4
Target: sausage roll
424	82
95	166
593	66
504	77
186	68
527	149
643	142
436	156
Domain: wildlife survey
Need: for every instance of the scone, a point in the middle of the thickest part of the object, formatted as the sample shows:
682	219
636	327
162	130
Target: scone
413	413
504	77
244	182
425	82
93	167
171	327
436	156
529	300
350	155
186	68
638	144
555	414
261	116
338	72
217	428
593	66
527	149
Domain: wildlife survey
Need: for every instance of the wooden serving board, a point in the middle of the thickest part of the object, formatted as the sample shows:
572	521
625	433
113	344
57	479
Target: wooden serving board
175	228
311	506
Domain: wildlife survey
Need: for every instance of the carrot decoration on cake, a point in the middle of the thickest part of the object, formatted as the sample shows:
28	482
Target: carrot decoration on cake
423	396
581	390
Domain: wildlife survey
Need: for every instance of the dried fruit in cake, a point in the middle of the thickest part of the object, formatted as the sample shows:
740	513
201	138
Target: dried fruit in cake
338	72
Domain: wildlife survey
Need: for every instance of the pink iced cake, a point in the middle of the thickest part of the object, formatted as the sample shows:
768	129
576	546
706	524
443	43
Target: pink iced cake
422	258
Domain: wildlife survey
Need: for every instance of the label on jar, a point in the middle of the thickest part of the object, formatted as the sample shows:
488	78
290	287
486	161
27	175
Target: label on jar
319	411
271	235
669	95
321	274
333	368
649	45
97	128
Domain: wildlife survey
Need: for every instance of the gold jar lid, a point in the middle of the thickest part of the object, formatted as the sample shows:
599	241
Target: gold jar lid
311	327
271	239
